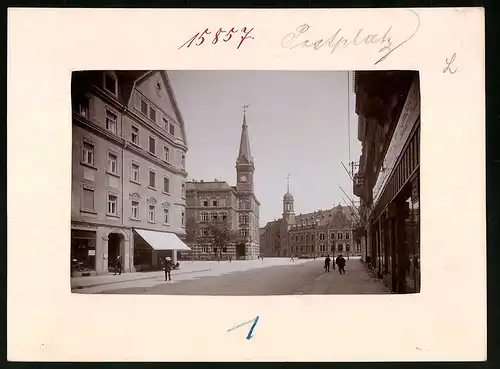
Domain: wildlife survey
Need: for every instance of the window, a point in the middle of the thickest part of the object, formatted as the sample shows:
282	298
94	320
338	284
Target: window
347	235
83	106
144	107
152	114
110	83
112	202
347	248
213	216
332	236
223	216
88	153
88	198
296	238
183	161
204	203
339	236
111	119
166	185
135	173
222	202
204	232
340	247
243	219
247	205
152	145
183	219
322	236
214	203
244	232
152	179
135	135
151	213
112	163
204	217
135	209
165	153
241	205
165	216
183	190
172	129
165	124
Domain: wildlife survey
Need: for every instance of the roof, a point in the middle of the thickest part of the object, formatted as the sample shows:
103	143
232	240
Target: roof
244	155
208	186
288	197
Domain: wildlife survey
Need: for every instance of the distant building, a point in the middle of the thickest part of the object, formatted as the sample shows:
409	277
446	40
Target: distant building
236	205
313	234
128	171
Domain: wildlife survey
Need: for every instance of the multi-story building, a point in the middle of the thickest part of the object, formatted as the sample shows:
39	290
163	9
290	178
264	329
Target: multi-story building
128	171
236	205
313	234
387	183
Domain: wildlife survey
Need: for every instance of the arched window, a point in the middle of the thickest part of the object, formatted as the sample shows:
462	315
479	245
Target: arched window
223	215
213	215
204	217
243	218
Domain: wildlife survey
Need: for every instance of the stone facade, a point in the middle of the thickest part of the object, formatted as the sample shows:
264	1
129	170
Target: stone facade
236	205
128	164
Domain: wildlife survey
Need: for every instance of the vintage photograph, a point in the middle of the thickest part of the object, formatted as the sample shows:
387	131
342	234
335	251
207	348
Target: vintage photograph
245	182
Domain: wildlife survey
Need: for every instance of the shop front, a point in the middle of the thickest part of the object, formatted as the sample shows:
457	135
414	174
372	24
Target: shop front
394	226
152	247
83	252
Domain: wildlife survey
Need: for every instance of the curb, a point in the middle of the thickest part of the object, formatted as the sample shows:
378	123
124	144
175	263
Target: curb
131	280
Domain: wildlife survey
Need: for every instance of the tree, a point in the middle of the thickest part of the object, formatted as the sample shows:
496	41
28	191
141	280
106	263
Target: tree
220	234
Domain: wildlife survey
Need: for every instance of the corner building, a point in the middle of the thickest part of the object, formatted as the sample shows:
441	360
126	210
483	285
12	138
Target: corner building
237	205
128	171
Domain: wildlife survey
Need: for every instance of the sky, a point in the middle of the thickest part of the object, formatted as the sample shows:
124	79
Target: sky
297	123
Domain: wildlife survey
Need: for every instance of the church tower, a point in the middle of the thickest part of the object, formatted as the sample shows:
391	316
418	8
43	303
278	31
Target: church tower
288	211
244	163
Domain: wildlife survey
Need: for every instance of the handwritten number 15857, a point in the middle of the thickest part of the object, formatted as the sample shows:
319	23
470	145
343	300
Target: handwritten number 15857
220	35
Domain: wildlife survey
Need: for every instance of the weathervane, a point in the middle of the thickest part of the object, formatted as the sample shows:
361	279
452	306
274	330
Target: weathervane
245	107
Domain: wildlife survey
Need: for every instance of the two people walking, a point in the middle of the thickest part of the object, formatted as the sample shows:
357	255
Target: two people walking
340	261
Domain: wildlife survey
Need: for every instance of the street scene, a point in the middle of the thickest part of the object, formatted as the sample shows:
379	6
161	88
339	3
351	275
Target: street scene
245	182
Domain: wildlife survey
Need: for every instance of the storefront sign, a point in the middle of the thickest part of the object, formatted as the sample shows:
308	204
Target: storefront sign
91	252
406	122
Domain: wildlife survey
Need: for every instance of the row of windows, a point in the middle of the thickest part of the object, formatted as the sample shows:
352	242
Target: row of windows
322	236
88	205
324	248
112	126
213	216
88	155
146	108
213	203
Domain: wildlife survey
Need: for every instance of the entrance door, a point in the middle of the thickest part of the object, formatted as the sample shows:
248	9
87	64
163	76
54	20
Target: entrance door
114	243
240	251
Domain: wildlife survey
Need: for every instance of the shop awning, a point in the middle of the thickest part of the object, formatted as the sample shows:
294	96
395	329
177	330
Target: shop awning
162	240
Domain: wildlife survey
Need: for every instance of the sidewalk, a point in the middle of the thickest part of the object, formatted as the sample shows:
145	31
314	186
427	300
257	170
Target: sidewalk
93	281
355	281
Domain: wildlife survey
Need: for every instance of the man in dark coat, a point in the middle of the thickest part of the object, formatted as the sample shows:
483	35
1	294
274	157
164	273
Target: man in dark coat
168	268
341	263
327	263
118	265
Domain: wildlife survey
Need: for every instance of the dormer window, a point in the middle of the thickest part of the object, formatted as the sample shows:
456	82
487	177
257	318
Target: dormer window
110	83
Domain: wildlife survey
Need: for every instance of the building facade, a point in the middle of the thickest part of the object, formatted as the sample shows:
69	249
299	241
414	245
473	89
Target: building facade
128	168
387	183
236	206
320	233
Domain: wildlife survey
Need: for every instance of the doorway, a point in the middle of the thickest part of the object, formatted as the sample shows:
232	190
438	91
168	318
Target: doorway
240	251
115	242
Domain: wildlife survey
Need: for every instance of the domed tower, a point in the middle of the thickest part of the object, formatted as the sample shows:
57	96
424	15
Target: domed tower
288	211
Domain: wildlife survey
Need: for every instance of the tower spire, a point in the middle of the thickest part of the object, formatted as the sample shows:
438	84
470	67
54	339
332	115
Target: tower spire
288	183
244	153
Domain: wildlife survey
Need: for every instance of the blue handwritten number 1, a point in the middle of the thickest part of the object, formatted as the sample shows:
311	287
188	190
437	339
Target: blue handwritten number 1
249	336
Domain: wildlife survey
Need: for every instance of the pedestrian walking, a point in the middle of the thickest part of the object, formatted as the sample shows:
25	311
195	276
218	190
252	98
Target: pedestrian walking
168	268
230	258
341	263
118	265
327	263
292	259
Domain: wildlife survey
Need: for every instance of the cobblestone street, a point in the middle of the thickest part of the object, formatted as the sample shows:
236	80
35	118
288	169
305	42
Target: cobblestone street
252	278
